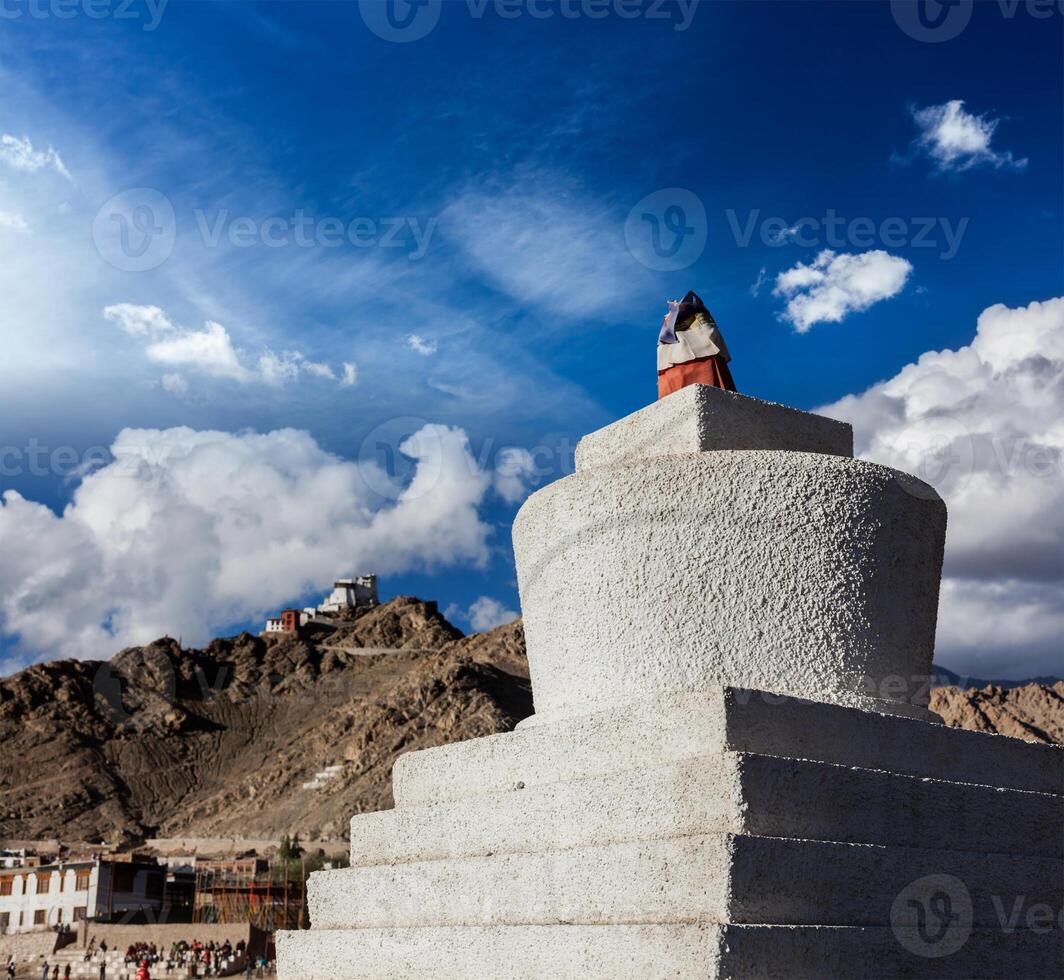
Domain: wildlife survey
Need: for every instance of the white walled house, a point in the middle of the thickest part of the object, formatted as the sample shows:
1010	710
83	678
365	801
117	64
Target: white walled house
70	892
351	593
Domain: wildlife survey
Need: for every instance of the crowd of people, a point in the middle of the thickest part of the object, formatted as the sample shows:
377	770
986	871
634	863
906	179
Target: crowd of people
193	959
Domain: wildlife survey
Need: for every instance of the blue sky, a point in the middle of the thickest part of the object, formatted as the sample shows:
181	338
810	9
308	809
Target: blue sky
353	237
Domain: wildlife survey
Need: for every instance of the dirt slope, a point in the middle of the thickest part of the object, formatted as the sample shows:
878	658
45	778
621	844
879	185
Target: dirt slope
1034	712
164	741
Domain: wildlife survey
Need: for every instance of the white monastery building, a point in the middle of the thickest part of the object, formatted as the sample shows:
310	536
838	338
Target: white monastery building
351	593
38	898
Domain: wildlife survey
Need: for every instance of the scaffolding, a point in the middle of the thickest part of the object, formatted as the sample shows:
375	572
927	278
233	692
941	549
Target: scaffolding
243	892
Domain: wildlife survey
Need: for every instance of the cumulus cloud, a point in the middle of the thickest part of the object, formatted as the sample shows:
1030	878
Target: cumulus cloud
19	154
420	345
985	426
834	285
350	376
138	321
515	470
486	613
211	350
13	222
187	532
955	139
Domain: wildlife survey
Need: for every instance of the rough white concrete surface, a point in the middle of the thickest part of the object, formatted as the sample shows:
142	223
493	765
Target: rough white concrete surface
655	818
732	793
650	952
676	727
810	575
706	878
699	418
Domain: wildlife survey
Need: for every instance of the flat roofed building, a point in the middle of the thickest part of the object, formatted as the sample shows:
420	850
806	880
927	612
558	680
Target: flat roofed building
71	891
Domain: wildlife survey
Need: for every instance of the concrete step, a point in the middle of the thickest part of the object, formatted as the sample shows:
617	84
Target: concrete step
717	878
678	727
730	793
648	952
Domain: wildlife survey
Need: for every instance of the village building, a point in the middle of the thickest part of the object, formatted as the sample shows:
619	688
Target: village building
65	893
288	622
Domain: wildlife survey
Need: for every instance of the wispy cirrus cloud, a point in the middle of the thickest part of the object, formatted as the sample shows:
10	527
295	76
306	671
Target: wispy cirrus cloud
546	246
19	154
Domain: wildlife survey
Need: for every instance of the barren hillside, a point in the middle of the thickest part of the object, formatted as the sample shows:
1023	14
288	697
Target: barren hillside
164	741
1034	712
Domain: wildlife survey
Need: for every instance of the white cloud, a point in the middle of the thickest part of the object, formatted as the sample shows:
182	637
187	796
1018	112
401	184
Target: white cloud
289	366
350	375
14	222
955	139
985	426
422	346
486	613
19	154
209	350
834	285
175	384
514	471
138	321
187	532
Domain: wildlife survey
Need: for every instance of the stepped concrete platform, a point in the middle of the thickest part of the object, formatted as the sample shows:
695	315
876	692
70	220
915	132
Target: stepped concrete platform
709	952
732	771
677	727
709	878
734	793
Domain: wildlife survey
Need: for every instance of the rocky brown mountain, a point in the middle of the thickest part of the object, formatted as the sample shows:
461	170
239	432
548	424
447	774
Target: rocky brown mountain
1034	712
228	740
162	741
